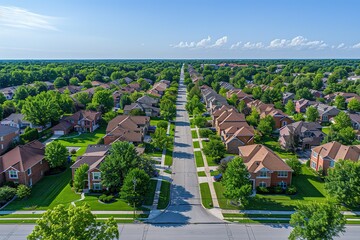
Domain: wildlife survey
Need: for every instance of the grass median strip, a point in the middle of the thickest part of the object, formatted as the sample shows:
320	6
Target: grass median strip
196	144
164	195
206	195
194	134
199	159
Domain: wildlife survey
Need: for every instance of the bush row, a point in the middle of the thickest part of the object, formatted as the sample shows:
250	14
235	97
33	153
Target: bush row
291	190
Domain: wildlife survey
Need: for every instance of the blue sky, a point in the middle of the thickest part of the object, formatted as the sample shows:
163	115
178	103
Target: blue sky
121	29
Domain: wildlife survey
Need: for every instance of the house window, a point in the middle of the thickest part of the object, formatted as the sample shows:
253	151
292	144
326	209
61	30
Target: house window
282	174
282	184
13	174
96	175
262	184
314	154
325	118
284	123
332	163
29	172
263	174
313	165
97	186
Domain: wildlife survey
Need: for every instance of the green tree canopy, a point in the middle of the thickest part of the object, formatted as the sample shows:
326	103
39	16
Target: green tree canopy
136	184
312	114
104	99
215	149
56	154
80	177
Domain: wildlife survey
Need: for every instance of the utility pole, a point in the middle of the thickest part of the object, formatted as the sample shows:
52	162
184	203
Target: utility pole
134	181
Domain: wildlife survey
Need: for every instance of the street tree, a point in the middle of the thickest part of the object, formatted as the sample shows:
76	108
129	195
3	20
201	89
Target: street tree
56	154
136	184
312	114
322	221
80	177
160	139
343	182
78	222
236	181
215	149
167	109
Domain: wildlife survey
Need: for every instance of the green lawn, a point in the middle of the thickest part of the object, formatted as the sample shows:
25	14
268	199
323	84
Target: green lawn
92	201
310	189
196	144
149	198
275	146
154	121
326	130
164	197
194	134
211	161
84	139
206	195
201	174
169	157
199	159
47	192
214	173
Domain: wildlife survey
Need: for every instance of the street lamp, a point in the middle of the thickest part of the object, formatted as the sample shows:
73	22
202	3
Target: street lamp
134	181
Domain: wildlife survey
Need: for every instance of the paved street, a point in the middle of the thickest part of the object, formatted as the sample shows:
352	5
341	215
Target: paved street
189	231
185	206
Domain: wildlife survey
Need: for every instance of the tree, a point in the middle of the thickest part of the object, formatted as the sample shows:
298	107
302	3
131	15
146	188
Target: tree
122	158
160	140
59	82
74	81
354	105
236	181
200	121
41	109
103	98
135	194
298	117
343	182
80	177
23	191
254	117
241	106
2	98
317	221
21	93
124	100
290	107
56	154
342	120
137	112
295	165
304	93
214	149
109	116
312	114
73	223
266	125
195	103
86	84
340	102
83	97
167	109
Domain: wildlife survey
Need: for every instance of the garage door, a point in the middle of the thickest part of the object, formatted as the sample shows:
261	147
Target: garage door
59	132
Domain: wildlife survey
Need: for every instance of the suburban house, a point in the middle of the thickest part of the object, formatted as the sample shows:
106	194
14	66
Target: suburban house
355	120
316	93
226	85
303	135
301	105
281	119
242	96
128	80
24	164
93	157
149	110
18	121
331	97
148	100
212	99
8	136
325	156
326	112
287	96
127	128
217	112
159	88
81	121
117	96
72	89
265	167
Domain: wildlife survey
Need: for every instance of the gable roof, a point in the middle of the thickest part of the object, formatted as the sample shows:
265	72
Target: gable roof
257	157
335	150
23	157
6	130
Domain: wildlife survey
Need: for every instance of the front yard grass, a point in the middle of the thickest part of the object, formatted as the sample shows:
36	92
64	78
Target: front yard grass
164	197
199	159
275	146
326	130
93	202
201	174
310	189
194	134
84	139
149	197
206	195
196	144
211	162
54	188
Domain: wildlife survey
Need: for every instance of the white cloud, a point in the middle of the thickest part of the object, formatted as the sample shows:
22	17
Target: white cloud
250	45
15	17
235	45
203	42
184	45
341	46
356	45
220	42
298	42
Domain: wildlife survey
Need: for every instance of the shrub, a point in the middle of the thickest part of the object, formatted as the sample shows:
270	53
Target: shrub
215	137
205	133
11	184
278	190
73	151
262	190
162	124
106	198
6	194
23	191
308	163
291	190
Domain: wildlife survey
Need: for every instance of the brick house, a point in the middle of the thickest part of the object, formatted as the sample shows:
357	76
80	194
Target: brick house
325	156
93	157
8	135
326	112
301	105
24	164
127	128
265	167
149	110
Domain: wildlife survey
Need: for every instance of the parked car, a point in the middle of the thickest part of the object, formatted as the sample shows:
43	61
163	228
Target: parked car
218	177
